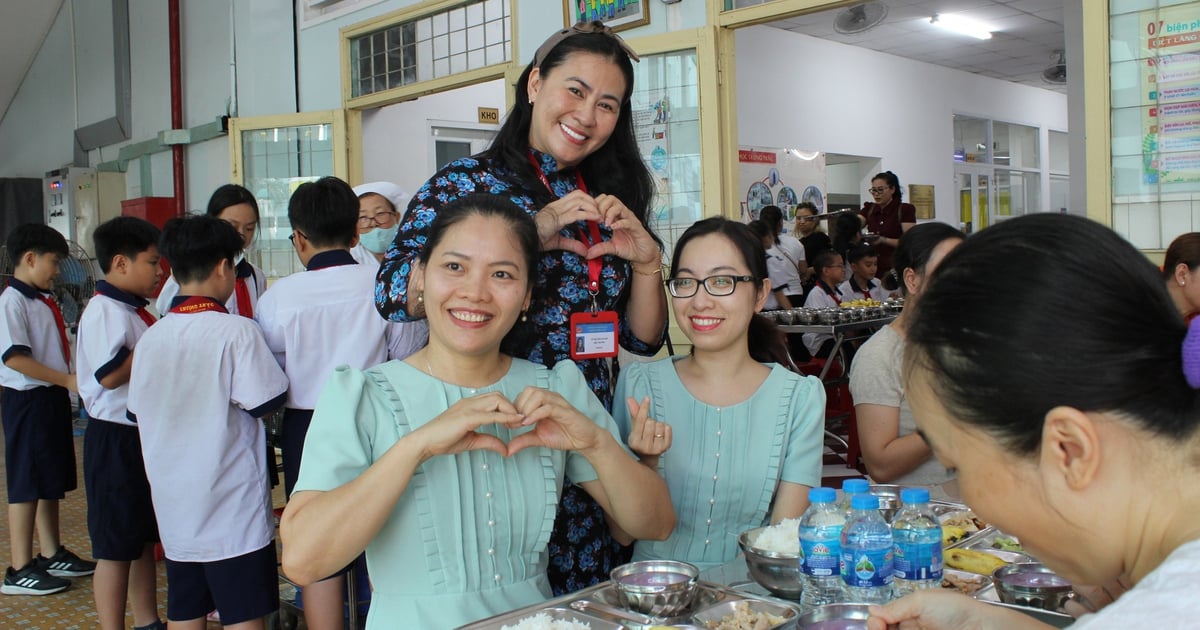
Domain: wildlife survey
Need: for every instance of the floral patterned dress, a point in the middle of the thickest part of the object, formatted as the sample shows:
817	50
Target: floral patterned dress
581	550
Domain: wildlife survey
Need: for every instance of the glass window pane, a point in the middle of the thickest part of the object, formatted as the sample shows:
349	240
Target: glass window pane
970	139
1060	152
1017	193
1015	145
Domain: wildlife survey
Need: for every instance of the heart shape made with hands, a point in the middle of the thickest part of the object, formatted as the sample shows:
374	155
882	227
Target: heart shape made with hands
552	422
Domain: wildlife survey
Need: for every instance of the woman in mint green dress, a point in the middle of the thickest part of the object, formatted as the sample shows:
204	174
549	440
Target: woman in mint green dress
447	467
737	436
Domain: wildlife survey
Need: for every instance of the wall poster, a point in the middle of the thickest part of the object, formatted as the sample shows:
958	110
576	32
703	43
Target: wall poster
780	177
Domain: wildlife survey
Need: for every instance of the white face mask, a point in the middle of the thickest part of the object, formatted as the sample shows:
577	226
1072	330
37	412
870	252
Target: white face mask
379	239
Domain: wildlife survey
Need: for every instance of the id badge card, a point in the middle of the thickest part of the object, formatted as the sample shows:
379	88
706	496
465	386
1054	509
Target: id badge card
594	335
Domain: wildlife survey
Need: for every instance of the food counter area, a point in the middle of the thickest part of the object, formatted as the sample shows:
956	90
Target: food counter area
759	589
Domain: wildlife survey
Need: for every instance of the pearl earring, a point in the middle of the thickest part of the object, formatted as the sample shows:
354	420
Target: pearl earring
421	298
524	317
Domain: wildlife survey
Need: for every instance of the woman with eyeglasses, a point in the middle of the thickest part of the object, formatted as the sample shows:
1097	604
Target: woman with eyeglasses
379	208
887	218
736	435
567	155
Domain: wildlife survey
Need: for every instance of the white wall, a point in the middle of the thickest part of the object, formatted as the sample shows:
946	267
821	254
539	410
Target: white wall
860	102
396	139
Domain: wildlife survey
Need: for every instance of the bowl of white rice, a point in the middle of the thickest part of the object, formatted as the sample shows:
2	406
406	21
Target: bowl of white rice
773	557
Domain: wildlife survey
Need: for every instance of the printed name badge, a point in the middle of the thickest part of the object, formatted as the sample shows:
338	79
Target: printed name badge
594	335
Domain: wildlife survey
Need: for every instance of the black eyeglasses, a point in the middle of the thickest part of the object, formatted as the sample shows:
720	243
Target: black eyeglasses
715	285
877	189
292	236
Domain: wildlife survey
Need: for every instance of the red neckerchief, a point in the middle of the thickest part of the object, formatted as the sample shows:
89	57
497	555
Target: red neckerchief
197	304
243	299
830	291
589	237
59	323
866	292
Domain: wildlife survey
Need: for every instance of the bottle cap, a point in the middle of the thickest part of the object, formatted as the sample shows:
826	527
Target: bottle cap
855	486
864	502
822	495
908	496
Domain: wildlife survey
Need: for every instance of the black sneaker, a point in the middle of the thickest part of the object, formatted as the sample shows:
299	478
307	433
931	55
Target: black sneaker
32	580
65	564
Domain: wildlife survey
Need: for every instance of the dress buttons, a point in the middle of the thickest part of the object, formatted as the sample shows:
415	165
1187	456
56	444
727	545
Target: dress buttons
497	577
714	477
712	501
485	466
708	542
492	523
718	455
491	552
489	494
708	521
471	391
718	434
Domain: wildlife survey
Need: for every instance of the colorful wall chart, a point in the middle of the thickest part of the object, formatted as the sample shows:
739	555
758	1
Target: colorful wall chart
1170	59
781	177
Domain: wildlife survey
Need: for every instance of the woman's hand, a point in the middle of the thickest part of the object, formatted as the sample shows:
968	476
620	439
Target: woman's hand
454	430
556	423
554	216
630	240
937	609
648	438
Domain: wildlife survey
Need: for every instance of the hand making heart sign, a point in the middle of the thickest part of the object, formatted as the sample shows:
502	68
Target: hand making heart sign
555	424
629	240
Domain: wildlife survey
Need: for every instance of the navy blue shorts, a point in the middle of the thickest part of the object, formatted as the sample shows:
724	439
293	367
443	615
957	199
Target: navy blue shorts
291	443
39	450
241	589
120	513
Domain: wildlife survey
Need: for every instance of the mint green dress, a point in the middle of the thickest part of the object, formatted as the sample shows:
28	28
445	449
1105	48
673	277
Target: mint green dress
468	537
725	463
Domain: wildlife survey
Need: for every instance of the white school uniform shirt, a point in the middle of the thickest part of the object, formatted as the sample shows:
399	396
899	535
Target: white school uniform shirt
851	291
783	273
776	272
28	328
792	249
108	330
818	298
200	383
325	317
256	284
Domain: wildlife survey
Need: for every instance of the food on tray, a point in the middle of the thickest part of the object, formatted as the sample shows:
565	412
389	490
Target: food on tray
781	538
742	618
860	303
965	584
542	621
952	534
965	519
1004	543
973	561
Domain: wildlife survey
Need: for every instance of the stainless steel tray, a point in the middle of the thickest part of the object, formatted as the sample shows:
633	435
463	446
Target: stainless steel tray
984	539
599	607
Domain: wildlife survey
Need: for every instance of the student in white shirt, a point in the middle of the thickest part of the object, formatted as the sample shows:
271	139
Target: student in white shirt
201	380
120	512
238	207
862	284
381	205
791	249
830	273
320	319
779	270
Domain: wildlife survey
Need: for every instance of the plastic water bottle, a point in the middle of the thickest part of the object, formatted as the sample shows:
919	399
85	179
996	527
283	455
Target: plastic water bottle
917	533
820	549
867	553
851	487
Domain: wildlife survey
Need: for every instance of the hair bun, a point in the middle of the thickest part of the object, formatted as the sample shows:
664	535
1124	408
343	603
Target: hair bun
1191	354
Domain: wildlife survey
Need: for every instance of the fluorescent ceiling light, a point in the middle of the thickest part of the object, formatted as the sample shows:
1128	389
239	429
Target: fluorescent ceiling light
961	25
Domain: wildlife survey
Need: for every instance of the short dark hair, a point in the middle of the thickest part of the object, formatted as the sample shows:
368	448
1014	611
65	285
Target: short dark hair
1000	350
195	245
807	205
859	252
773	217
827	258
123	236
1185	249
915	248
325	211
231	195
767	344
759	228
37	238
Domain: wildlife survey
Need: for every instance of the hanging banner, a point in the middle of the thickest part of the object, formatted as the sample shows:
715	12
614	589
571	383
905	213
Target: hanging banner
780	177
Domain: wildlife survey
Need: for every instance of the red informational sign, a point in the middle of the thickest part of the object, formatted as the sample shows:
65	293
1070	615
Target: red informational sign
759	157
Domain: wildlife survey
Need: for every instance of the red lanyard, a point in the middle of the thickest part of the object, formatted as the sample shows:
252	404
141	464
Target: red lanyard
590	237
245	308
197	304
60	324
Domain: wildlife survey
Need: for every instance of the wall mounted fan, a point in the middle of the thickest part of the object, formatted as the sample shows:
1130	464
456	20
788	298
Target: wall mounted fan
1056	72
860	17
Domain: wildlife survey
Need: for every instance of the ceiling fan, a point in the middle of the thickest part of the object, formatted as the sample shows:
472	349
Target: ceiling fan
1056	72
860	17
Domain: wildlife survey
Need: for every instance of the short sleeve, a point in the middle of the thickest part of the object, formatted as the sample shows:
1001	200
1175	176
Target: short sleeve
567	380
14	335
874	374
102	340
908	213
338	446
634	382
806	444
258	384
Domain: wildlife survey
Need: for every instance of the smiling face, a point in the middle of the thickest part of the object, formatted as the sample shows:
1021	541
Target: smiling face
243	217
575	106
474	286
711	322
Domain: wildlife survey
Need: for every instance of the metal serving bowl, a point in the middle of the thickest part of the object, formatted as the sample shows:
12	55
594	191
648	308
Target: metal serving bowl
828	316
784	317
777	572
1049	593
835	617
638	589
807	316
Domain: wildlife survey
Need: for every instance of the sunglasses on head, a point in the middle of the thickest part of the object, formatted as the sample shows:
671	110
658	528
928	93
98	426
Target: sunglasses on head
580	28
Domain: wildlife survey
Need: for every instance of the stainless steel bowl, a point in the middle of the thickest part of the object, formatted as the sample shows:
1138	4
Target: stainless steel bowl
828	316
784	317
777	572
711	617
808	316
1049	593
638	589
835	616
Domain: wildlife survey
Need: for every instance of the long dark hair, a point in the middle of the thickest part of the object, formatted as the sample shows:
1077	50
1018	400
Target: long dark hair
231	195
847	225
1003	349
916	246
767	344
892	181
615	168
773	217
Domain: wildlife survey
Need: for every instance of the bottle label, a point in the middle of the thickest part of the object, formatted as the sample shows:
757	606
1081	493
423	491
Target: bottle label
864	568
917	558
820	548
